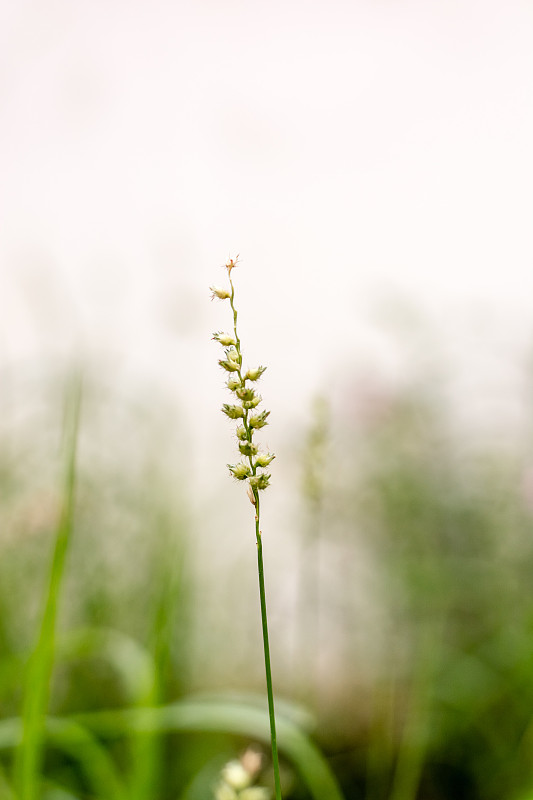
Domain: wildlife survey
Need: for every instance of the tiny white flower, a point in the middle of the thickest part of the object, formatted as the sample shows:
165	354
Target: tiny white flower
231	264
255	793
236	776
225	792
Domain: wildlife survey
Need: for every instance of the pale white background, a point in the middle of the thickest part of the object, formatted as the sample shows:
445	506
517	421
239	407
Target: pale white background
370	160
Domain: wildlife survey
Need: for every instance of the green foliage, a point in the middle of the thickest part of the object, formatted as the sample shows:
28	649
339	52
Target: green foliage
450	531
91	716
29	757
415	586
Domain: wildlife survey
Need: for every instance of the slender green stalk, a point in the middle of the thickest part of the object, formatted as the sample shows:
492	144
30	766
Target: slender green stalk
39	671
241	384
266	646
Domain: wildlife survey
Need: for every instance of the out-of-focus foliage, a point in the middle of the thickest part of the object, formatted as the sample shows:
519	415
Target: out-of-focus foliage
412	607
444	531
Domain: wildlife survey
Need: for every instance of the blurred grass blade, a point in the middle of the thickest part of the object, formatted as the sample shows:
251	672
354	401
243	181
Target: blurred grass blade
147	748
6	793
136	669
77	742
131	662
220	715
37	680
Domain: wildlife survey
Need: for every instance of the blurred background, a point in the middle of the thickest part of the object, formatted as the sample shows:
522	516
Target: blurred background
371	163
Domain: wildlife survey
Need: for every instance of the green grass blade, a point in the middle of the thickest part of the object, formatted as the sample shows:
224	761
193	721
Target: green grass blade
147	748
37	681
131	662
228	717
78	743
136	669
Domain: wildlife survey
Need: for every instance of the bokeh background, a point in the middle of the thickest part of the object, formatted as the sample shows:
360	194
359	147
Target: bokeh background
371	163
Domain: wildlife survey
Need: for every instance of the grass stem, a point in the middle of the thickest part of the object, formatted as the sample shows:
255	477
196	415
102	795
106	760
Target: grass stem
242	385
266	646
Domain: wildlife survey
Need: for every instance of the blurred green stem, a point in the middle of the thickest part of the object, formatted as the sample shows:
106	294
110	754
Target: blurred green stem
413	745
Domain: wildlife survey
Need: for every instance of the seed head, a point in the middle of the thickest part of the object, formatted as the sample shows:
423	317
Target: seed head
241	471
252	403
245	393
248	448
233	383
259	481
224	338
258	420
221	294
246	400
238	778
233	412
232	362
254	374
230	366
264	459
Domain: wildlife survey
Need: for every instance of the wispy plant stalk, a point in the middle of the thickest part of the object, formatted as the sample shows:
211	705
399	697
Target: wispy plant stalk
251	468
